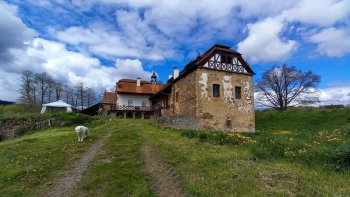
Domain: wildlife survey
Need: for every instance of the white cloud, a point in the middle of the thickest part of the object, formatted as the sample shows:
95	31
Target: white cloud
335	95
41	55
67	66
264	42
319	12
10	83
134	38
327	96
332	41
13	32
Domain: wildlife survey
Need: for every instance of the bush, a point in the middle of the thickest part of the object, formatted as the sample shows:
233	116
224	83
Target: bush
341	157
189	134
72	118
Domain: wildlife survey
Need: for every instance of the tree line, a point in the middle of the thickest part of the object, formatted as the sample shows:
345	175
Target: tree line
40	88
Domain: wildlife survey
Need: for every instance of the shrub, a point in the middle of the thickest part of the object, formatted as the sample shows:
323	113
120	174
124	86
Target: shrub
341	157
72	118
189	134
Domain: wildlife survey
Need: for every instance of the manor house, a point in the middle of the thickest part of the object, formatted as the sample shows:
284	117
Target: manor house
212	92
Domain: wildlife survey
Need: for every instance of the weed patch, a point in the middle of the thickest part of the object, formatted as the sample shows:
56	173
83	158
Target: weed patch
218	137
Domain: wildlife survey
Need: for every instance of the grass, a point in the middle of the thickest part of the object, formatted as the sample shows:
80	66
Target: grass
118	169
17	110
32	161
293	153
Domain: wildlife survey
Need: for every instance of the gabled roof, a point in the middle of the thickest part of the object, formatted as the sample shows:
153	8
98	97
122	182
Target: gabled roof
201	60
109	98
129	86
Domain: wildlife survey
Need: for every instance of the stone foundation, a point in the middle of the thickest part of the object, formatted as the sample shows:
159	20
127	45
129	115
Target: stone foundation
181	122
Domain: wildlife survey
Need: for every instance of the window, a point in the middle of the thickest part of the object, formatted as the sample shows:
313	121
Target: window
176	96
130	103
216	90
226	59
238	92
228	123
144	103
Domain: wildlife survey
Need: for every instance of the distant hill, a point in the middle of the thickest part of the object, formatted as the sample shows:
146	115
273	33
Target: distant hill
6	102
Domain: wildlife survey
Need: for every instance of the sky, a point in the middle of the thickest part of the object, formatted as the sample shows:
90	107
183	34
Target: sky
99	42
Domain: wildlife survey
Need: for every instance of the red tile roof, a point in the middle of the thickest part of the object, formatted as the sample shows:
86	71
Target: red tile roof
130	86
109	98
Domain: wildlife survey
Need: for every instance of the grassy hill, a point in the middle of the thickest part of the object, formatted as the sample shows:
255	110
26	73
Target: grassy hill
294	153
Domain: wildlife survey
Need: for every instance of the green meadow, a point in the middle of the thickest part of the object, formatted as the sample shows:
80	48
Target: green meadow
302	152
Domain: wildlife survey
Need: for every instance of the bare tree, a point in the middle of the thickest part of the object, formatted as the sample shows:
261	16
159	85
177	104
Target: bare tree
41	83
50	87
68	92
90	96
26	90
284	86
58	90
80	92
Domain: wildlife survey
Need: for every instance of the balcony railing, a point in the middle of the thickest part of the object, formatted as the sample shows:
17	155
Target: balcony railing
139	108
133	108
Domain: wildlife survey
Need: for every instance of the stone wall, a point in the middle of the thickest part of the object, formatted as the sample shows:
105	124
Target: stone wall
10	128
181	122
187	98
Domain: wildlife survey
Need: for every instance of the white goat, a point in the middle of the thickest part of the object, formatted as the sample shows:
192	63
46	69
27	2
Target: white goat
82	132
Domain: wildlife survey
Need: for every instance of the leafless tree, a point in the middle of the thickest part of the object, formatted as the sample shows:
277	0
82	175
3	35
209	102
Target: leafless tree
80	92
26	90
90	96
41	83
58	90
284	86
69	93
50	87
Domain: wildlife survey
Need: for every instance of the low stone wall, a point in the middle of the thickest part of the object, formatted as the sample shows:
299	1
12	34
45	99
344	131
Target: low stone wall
181	122
204	122
10	128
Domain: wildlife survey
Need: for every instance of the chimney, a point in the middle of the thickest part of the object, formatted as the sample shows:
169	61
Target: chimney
169	76
176	72
138	81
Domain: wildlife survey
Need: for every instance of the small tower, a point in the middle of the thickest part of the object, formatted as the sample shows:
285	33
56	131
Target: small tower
154	78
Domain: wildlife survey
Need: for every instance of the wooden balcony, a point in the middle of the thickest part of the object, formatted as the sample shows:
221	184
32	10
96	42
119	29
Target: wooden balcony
132	108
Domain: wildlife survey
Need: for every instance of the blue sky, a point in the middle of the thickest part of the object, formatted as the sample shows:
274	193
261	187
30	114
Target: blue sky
101	41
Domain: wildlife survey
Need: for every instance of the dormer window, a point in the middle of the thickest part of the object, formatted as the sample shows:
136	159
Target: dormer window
226	59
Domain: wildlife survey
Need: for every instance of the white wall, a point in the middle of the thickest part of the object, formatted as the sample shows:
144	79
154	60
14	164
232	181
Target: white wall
136	98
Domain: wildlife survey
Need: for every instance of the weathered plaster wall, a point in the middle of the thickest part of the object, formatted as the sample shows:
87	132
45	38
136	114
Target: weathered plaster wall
215	111
211	113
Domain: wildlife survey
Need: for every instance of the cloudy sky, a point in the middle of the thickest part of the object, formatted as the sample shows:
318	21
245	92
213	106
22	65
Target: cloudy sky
101	41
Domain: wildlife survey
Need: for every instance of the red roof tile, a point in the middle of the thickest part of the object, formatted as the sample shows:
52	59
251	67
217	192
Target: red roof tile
109	98
130	86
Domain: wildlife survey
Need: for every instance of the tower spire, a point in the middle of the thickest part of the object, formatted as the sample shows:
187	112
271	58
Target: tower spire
154	78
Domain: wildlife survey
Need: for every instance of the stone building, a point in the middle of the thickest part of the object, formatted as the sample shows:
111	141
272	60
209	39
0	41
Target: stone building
213	92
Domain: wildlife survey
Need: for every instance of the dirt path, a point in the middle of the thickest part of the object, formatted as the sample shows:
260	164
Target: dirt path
164	180
69	178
